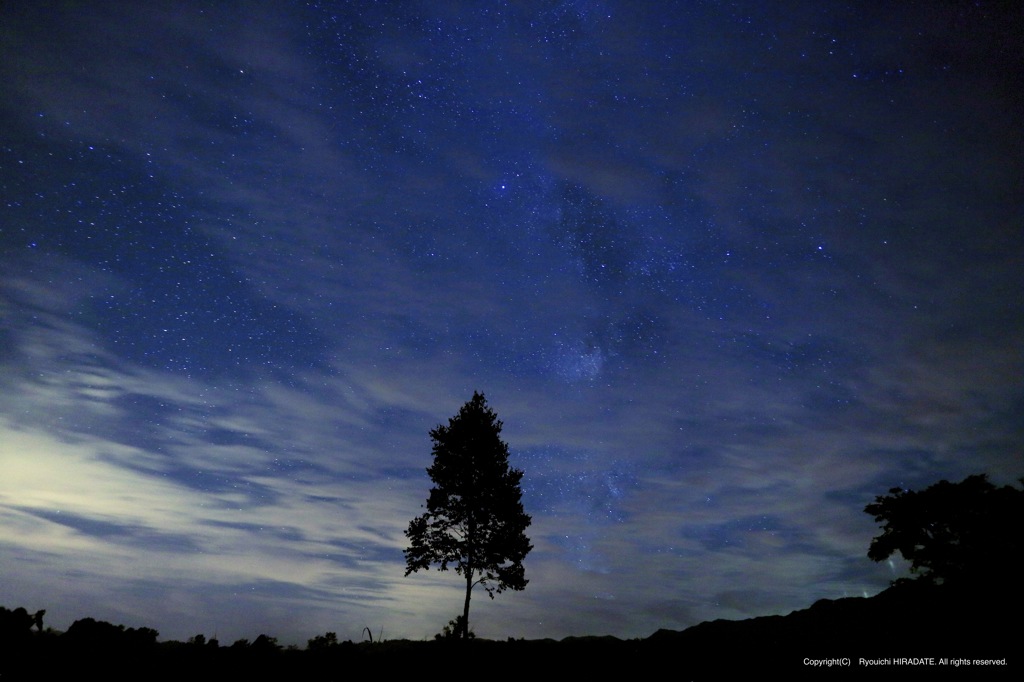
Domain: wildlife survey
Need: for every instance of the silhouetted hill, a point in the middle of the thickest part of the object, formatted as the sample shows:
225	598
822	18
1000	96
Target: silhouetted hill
914	627
911	620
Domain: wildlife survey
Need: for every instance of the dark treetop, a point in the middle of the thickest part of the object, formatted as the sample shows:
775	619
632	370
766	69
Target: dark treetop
965	533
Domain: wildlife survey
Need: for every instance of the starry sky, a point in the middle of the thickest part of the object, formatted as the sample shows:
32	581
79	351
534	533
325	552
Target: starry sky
726	271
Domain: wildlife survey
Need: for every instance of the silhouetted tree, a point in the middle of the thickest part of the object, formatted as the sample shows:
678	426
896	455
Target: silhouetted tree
99	635
325	641
265	643
953	532
15	626
474	519
454	629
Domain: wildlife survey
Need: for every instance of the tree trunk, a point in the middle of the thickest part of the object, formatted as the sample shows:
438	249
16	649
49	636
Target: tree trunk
465	608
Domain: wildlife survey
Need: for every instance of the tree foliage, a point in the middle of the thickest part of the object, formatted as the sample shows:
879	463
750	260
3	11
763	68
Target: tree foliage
455	629
475	520
952	532
323	642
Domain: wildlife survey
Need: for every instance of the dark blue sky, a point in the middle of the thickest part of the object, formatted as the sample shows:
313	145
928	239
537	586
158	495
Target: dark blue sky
725	272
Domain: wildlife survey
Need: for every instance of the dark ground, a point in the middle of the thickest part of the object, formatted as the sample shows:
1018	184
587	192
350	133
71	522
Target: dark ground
911	621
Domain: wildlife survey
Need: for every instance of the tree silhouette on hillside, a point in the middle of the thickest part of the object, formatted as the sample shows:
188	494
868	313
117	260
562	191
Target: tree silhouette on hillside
953	533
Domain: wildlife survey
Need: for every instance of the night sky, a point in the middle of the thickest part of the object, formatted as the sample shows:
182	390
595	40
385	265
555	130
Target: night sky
726	272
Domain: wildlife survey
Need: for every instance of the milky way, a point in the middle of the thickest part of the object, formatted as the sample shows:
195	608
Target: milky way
726	273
